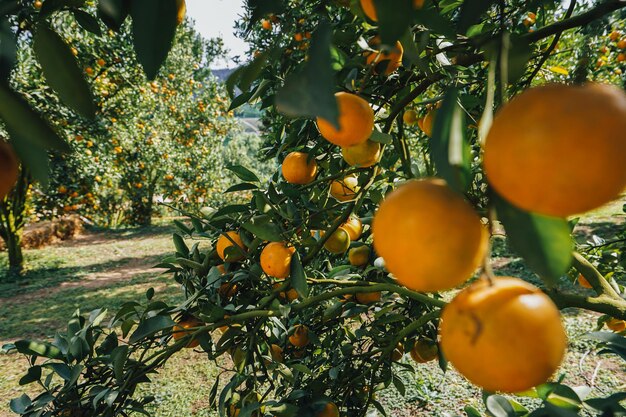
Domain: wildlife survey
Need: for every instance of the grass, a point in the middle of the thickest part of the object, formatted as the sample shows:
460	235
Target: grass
108	268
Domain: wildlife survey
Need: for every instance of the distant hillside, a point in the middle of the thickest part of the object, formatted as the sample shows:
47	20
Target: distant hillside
222	74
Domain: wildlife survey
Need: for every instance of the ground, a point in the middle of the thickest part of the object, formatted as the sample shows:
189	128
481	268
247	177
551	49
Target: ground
108	268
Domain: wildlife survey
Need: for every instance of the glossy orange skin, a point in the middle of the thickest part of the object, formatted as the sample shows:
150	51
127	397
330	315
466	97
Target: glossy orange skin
363	155
410	117
330	410
429	236
370	11
392	59
276	259
428	123
616	325
356	121
300	336
368	297
559	150
181	330
266	24
582	281
297	169
9	169
223	242
424	351
345	189
504	337
354	227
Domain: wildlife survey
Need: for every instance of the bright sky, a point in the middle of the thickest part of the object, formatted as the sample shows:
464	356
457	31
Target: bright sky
215	18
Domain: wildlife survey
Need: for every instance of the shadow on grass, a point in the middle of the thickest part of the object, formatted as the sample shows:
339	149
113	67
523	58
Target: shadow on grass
52	275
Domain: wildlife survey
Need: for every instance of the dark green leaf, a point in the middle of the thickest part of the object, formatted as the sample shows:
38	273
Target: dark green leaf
310	91
471	411
62	72
44	349
544	242
113	12
35	159
118	359
32	374
179	243
243	173
381	137
8	49
394	19
154	27
241	187
151	326
449	147
471	12
87	22
263	228
260	8
298	276
60	369
20	405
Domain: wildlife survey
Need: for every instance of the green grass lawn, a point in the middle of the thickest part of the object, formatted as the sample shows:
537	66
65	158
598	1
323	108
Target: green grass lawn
108	268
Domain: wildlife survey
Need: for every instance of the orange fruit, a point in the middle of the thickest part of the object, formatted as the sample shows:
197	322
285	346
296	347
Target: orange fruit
616	325
9	169
300	336
289	295
424	351
223	243
428	123
345	189
362	155
266	24
429	236
503	336
370	11
338	242
298	37
621	57
277	353
276	259
359	256
410	117
621	44
389	60
614	36
298	169
398	352
356	121
582	281
228	290
354	227
368	297
181	11
329	410
559	150
182	329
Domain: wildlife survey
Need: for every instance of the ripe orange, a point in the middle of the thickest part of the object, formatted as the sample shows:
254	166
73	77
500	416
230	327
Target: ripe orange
276	259
428	123
277	353
223	243
424	351
559	150
290	295
330	410
300	336
582	281
356	121
354	227
368	297
363	155
9	169
338	242
359	256
429	236
614	36
397	353
503	336
410	117
389	60
266	24
621	44
370	11
181	11
616	325
345	189
621	57
182	329
297	169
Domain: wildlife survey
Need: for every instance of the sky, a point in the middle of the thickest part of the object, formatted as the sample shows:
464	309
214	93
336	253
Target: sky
215	18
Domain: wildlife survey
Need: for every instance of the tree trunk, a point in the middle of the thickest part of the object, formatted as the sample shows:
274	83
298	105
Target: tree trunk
14	248
12	222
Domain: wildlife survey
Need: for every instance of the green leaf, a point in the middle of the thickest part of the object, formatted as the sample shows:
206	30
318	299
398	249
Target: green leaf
499	406
154	27
151	326
20	405
33	158
449	147
60	369
62	72
310	91
32	374
263	228
87	22
381	137
394	19
118	360
44	349
471	411
260	8
544	242
241	187
243	173
471	12
113	12
8	49
298	276
179	243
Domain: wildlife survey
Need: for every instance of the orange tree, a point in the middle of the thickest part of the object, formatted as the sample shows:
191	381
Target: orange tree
396	174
